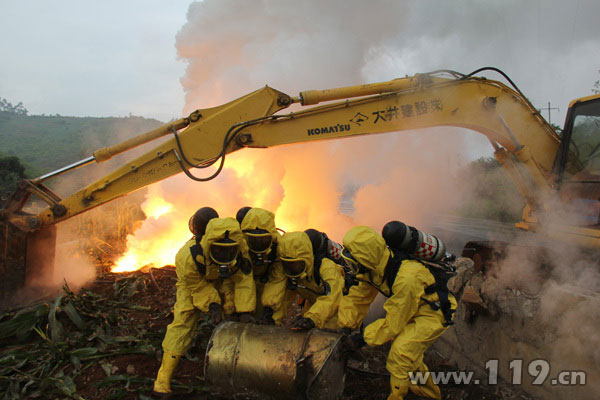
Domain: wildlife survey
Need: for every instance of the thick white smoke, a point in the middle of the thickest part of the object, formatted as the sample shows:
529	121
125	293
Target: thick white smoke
232	48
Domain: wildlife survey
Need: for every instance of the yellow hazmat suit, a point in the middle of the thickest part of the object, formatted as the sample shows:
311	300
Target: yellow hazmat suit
410	322
322	308
263	263
196	291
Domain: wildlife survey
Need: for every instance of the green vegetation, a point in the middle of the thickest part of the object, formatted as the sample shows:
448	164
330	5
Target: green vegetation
488	192
11	172
94	344
46	143
6	106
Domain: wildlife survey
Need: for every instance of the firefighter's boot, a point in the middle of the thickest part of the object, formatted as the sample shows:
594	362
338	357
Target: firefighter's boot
162	384
399	388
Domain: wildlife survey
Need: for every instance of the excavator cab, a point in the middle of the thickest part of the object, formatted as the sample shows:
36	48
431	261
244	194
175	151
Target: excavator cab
577	165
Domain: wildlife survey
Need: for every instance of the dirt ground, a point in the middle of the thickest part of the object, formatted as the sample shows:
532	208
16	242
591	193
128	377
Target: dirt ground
129	314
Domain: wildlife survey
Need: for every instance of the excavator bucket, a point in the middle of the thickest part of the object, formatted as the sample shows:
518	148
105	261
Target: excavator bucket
26	248
25	258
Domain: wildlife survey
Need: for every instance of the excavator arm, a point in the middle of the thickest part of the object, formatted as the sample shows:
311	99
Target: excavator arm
507	118
202	140
515	129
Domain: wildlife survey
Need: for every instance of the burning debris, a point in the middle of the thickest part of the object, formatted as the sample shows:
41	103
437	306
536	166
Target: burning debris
159	250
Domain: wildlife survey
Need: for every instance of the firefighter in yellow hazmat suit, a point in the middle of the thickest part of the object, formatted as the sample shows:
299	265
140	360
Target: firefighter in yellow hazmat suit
319	280
262	238
213	276
411	321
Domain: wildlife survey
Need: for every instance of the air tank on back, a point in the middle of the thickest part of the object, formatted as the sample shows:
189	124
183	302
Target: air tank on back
401	237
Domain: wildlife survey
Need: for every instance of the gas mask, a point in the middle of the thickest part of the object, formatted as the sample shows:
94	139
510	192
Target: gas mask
224	253
259	240
293	267
260	244
354	266
292	284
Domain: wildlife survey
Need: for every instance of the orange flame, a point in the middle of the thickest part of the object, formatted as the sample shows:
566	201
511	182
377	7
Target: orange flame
250	179
154	207
150	251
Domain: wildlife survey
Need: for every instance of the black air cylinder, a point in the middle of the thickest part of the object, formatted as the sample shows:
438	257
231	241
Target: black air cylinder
401	237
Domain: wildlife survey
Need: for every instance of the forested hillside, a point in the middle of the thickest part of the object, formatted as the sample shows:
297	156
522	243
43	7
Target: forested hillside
45	143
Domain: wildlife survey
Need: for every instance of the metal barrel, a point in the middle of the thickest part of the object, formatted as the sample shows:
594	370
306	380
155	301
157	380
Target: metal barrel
258	360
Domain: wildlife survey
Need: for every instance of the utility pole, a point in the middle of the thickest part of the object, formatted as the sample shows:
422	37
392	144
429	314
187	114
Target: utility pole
549	109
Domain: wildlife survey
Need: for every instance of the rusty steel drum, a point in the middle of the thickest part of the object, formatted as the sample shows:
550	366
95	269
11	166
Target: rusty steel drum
258	360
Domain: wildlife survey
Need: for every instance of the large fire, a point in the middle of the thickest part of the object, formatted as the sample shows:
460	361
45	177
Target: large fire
165	229
155	251
289	181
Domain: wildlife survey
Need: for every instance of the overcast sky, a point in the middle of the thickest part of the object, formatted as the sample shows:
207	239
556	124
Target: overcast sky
112	58
92	58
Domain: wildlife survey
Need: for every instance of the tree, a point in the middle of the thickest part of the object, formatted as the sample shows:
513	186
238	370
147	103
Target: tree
6	106
556	128
596	87
11	172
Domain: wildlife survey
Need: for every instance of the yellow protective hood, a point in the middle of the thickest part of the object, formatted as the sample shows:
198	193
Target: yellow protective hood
215	230
367	247
297	245
259	218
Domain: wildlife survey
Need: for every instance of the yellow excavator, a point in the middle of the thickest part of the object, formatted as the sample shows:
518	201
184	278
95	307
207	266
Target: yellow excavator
552	172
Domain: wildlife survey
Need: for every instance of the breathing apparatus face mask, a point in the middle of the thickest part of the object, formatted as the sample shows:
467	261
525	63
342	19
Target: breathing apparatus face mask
259	240
293	267
224	253
355	266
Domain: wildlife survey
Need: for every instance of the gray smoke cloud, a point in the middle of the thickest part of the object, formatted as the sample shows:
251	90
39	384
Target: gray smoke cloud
232	48
538	43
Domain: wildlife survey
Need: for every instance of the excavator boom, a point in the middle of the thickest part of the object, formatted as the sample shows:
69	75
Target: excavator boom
421	101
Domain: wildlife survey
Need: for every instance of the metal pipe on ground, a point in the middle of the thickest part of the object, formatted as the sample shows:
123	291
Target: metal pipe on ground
258	360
